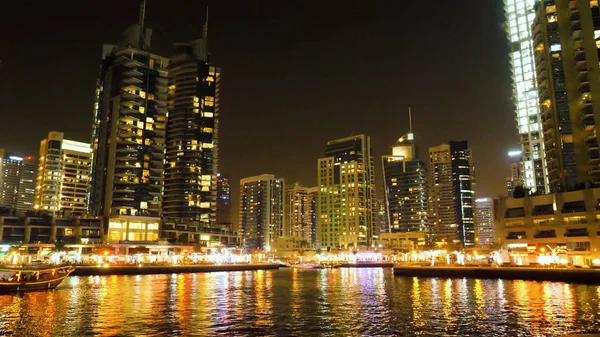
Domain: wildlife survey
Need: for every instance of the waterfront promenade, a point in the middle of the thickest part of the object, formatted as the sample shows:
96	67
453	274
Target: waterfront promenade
166	269
572	275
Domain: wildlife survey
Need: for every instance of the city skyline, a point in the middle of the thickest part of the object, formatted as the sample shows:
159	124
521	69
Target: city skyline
280	71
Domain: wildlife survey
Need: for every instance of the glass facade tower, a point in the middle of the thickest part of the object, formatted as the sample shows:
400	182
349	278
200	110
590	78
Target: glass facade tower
519	18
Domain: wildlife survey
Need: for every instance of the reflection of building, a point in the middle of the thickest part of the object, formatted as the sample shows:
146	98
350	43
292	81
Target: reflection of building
301	213
128	137
223	202
47	229
566	40
405	187
261	210
451	200
191	157
17	182
484	221
346	190
559	228
519	18
63	176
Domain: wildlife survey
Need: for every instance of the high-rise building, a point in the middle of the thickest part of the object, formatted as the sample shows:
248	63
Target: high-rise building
451	195
516	173
301	213
17	182
484	221
191	160
128	137
405	187
63	176
223	202
346	190
566	40
261	210
519	17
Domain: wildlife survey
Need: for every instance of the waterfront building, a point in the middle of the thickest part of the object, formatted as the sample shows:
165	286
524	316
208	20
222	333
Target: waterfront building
301	213
17	182
128	137
223	202
404	241
191	159
346	190
566	43
63	176
519	18
50	229
484	221
552	228
405	187
261	211
451	196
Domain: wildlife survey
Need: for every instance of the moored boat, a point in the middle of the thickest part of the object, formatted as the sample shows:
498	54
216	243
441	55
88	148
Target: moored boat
307	266
31	279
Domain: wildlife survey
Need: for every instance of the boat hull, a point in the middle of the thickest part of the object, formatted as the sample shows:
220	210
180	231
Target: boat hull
42	280
36	286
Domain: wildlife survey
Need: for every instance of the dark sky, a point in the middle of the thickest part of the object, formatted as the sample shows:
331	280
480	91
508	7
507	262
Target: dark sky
295	74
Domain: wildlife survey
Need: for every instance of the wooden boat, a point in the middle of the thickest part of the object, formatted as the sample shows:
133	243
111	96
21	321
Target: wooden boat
23	279
307	266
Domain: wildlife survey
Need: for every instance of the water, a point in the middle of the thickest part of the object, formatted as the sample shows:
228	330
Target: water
339	302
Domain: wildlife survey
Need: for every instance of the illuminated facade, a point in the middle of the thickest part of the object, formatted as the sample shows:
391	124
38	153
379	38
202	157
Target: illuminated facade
484	221
63	176
261	211
566	39
519	18
301	213
560	228
451	195
346	182
50	229
405	187
17	182
128	137
191	159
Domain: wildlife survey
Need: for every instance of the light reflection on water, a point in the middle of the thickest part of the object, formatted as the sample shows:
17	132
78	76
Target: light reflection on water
340	302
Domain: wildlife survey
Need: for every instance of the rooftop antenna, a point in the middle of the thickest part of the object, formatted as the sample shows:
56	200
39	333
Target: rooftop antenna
409	120
205	30
141	20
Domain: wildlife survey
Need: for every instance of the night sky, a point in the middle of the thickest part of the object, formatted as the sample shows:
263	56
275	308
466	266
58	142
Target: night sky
295	74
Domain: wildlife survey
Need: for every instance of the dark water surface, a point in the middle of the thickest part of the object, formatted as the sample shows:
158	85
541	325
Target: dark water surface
339	302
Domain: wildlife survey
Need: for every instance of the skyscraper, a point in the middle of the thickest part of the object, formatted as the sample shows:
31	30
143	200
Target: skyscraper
519	17
405	187
566	39
223	202
484	221
301	213
17	182
128	137
190	190
346	190
63	176
451	195
261	210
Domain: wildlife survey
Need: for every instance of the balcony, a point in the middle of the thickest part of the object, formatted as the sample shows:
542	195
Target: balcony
573	207
582	76
592	147
575	232
575	25
594	159
581	65
544	234
516	236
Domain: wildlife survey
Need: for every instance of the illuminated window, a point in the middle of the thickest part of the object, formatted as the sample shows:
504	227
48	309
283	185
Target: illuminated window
208	114
141	109
151	97
207	130
142	94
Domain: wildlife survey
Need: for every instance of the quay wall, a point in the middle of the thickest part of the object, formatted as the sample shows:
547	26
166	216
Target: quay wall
143	270
588	276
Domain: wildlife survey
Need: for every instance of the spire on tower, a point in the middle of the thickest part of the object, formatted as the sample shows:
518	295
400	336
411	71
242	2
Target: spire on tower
205	30
141	20
409	120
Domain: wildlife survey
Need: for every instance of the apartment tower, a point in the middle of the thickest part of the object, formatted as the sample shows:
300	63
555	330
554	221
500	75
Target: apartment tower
405	187
261	211
566	39
519	18
451	195
191	160
63	176
128	137
346	190
301	213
